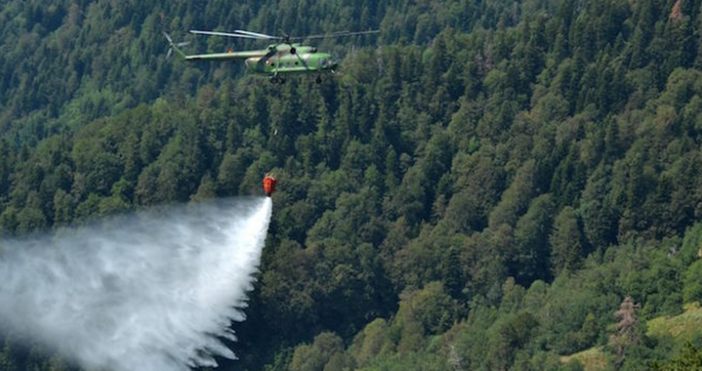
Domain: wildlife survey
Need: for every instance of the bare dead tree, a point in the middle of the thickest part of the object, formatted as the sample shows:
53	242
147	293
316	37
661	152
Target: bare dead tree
628	330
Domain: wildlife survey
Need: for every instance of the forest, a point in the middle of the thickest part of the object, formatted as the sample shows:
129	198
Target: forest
484	185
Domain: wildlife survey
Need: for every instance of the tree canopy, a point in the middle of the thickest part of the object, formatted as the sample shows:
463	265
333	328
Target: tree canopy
481	187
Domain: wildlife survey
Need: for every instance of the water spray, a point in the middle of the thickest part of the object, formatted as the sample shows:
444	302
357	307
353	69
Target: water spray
150	291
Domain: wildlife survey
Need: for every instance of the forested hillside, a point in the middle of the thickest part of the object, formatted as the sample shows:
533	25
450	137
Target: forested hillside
485	185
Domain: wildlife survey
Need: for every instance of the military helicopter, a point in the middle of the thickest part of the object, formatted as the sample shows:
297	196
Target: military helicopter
278	60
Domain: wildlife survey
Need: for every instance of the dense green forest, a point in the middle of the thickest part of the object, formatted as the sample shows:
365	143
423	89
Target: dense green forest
486	185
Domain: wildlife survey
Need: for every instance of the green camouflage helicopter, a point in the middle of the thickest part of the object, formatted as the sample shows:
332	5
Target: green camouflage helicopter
278	60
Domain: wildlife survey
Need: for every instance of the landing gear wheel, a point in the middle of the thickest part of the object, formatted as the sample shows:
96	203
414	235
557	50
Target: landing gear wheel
318	80
293	50
275	80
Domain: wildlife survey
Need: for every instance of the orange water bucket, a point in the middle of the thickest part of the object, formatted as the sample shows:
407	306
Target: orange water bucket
269	183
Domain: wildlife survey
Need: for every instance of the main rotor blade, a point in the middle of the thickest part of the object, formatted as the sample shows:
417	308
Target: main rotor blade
334	34
257	35
228	34
168	37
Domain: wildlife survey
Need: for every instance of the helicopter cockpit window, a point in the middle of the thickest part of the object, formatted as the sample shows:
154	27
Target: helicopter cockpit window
323	62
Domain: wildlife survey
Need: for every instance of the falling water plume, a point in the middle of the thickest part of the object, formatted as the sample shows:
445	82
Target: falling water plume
151	291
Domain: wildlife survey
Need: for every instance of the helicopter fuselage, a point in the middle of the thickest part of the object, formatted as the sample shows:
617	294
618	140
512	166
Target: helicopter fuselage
292	63
290	59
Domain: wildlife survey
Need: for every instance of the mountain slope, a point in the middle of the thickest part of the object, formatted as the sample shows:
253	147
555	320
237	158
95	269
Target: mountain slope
485	186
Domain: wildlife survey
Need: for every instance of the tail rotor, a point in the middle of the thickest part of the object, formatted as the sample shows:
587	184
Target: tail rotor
174	46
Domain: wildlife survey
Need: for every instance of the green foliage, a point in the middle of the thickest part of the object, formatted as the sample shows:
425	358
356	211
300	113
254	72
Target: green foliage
688	359
480	189
370	342
692	289
320	355
430	308
691	244
566	241
532	250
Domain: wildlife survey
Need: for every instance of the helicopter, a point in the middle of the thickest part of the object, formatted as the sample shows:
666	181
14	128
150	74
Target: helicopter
278	60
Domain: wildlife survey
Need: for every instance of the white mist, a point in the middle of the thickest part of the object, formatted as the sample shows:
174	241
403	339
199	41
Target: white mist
149	291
